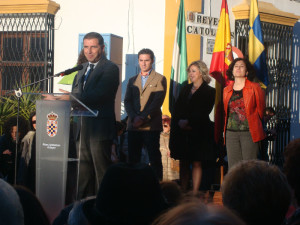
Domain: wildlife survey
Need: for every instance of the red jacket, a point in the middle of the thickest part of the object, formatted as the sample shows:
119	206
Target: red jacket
254	99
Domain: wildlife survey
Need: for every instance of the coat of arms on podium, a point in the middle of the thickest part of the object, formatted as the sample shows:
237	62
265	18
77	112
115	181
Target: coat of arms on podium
52	124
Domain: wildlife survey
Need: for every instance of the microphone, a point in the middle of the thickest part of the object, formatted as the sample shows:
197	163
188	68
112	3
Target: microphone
68	71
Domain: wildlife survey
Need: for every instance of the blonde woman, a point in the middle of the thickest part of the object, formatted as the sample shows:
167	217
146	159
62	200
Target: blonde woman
191	138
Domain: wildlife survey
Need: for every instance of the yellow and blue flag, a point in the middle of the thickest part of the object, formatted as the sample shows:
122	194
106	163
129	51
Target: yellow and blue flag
256	48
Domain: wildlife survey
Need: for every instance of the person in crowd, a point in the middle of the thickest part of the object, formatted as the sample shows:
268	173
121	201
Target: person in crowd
76	215
11	211
244	105
170	166
197	213
129	194
191	137
144	97
68	79
257	192
291	168
9	141
171	190
96	86
26	170
270	134
64	214
34	213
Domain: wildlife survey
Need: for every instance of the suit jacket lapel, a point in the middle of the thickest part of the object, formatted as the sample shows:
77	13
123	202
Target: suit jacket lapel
138	82
96	71
80	76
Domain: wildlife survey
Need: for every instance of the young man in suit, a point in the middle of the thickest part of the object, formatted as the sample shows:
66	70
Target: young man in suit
143	100
96	86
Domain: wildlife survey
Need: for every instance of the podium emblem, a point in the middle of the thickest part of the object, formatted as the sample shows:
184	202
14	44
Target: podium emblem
52	124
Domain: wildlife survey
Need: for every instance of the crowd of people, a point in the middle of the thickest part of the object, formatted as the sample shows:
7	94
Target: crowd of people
149	168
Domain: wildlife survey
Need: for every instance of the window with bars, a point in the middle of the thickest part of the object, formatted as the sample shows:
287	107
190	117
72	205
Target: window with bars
278	42
26	50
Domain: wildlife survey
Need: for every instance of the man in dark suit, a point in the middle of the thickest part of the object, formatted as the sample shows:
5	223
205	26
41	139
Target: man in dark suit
143	100
96	86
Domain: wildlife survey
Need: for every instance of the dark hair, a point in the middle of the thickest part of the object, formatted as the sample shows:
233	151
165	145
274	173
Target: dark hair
270	109
120	126
250	69
172	192
30	120
81	58
128	194
34	213
257	191
195	212
291	166
146	51
96	35
11	122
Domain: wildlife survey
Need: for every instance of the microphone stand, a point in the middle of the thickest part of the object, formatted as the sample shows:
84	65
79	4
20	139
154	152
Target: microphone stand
19	94
18	91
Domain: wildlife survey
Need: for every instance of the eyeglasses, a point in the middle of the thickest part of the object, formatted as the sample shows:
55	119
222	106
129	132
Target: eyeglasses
33	122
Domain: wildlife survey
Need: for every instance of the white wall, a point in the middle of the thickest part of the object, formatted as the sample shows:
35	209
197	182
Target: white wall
139	22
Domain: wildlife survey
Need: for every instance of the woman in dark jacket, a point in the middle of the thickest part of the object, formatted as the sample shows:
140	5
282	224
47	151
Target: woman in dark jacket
8	147
191	137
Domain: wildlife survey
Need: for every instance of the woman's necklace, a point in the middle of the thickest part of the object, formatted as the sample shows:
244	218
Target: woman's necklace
194	88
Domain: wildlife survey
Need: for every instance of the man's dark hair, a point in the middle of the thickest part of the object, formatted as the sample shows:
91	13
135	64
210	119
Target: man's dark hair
146	51
96	35
250	69
257	192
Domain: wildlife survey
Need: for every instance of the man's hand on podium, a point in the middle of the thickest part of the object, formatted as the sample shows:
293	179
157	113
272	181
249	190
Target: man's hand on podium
65	97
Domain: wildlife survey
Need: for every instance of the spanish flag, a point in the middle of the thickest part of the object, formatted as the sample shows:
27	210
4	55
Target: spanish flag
256	49
221	59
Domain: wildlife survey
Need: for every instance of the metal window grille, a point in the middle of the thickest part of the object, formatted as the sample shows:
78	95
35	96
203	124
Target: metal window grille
278	41
26	50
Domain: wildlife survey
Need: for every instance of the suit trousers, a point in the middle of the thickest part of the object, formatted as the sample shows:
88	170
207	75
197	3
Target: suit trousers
95	158
150	140
240	146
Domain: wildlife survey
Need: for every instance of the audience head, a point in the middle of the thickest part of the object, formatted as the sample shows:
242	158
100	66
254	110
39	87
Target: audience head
291	167
197	213
81	58
121	127
172	192
269	113
10	127
128	194
11	212
257	192
166	122
32	121
34	213
76	215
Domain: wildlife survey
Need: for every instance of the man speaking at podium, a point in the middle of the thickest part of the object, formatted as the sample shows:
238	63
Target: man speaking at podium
96	86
